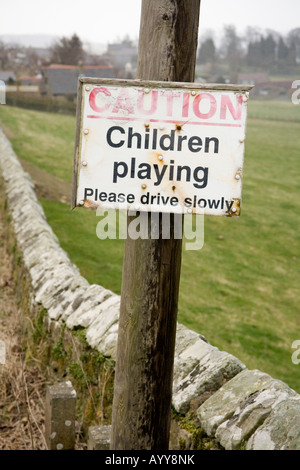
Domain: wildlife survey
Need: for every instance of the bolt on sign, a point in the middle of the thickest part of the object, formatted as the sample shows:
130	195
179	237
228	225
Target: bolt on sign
160	146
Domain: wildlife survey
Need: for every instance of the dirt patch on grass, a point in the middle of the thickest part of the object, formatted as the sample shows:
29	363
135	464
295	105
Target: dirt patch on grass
48	186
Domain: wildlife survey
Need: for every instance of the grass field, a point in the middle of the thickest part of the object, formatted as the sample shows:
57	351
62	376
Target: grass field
242	289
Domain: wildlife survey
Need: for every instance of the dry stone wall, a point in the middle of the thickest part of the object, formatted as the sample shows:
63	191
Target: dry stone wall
240	408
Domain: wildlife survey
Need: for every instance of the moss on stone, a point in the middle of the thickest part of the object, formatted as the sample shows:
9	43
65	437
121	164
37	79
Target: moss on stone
80	334
198	439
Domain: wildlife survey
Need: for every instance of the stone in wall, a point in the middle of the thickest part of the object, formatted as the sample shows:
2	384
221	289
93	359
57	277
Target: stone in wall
241	406
281	430
199	370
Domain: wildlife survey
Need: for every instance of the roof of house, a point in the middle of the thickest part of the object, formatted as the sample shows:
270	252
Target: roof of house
7	74
27	80
253	77
287	85
63	79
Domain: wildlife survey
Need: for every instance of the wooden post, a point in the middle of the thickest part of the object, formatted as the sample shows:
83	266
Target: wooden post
151	271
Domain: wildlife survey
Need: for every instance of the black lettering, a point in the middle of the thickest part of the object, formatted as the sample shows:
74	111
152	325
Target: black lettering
213	204
102	197
144	171
147	139
109	133
88	192
229	205
202	201
169	145
145	198
132	170
202	179
181	138
112	197
195	144
179	172
165	200
160	175
116	173
121	197
208	141
154	139
153	199
171	171
130	198
131	135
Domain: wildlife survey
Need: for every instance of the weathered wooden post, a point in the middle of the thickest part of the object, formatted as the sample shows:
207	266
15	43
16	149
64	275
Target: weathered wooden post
151	270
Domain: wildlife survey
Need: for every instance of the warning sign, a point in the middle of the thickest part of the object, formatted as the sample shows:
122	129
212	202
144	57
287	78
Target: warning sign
160	146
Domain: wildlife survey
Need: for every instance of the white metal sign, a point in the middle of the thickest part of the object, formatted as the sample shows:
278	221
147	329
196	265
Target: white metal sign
160	146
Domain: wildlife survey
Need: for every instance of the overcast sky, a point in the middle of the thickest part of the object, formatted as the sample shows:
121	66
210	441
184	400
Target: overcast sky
105	21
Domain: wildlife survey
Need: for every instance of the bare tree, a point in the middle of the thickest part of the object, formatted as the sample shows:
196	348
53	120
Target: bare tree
68	51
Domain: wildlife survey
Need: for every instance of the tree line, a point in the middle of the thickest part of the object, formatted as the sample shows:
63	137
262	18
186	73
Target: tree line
256	49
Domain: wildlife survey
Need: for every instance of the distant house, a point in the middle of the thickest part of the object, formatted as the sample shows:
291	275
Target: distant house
30	81
62	80
43	54
123	56
275	88
122	53
7	76
252	78
264	86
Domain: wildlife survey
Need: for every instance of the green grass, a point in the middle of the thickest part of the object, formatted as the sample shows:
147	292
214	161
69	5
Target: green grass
268	110
43	139
99	261
242	289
